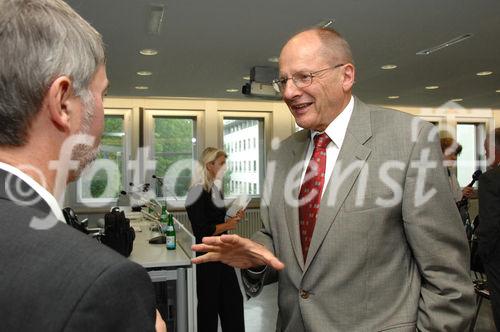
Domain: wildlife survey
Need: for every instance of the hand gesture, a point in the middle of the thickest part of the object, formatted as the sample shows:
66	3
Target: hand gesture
235	251
232	223
240	214
468	192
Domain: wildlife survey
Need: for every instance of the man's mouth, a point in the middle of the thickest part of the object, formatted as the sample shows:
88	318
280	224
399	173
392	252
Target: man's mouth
301	108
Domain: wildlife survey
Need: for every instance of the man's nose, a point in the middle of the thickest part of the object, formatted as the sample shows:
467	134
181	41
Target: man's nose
290	90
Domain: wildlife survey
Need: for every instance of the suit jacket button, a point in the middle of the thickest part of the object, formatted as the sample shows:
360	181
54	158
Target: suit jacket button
304	294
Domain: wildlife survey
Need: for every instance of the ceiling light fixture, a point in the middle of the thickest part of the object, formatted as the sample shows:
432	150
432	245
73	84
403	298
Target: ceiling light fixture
142	87
148	51
325	24
273	59
432	87
156	15
456	99
232	90
144	73
497	91
484	73
246	78
450	42
393	97
388	67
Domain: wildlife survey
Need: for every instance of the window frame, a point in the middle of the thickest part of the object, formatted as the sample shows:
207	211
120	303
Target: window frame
148	117
265	117
480	160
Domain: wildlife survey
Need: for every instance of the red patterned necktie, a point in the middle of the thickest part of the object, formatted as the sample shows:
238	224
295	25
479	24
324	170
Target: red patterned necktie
311	190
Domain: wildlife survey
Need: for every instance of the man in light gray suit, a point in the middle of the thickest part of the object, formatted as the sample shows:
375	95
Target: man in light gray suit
360	227
52	84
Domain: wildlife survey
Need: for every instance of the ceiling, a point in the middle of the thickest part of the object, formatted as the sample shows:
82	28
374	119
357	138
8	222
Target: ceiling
207	46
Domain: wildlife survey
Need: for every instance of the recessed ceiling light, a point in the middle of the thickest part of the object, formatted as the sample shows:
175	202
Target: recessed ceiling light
497	91
432	87
148	51
388	67
246	78
232	90
273	59
144	73
393	97
484	73
141	87
456	99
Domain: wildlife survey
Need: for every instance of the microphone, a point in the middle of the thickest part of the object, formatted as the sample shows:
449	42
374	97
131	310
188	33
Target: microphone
475	177
158	179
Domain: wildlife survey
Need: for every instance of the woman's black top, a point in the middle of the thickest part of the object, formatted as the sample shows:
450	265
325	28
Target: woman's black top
205	209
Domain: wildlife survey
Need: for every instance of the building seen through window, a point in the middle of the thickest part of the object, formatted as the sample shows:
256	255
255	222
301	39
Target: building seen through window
245	160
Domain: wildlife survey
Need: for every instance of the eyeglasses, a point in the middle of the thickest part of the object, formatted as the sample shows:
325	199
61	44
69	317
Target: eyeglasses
301	80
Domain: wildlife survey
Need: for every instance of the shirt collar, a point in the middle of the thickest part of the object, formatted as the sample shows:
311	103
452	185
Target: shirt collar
337	129
44	194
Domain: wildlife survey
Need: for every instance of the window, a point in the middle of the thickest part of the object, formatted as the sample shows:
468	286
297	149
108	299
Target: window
174	146
244	131
102	183
170	152
471	136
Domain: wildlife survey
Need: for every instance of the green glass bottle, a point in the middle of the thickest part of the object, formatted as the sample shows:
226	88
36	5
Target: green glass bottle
163	219
170	233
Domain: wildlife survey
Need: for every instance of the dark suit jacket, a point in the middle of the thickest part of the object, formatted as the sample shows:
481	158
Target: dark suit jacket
58	279
489	213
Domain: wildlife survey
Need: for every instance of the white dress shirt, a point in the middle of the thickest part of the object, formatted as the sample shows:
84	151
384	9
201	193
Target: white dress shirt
44	194
336	130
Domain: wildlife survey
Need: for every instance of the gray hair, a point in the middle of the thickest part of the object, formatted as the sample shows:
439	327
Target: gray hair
41	40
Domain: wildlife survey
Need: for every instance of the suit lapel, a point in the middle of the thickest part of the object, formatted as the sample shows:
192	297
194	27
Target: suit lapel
298	152
352	153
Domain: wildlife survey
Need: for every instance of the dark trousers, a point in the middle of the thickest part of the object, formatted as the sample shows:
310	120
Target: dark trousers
492	268
218	295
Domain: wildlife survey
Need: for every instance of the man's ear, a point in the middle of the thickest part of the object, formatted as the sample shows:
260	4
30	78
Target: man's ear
349	75
61	101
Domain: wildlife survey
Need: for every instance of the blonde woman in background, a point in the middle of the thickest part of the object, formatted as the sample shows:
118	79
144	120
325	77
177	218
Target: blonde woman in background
451	149
217	285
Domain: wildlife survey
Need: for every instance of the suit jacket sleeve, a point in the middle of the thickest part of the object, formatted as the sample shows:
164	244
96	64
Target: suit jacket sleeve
121	299
254	282
437	239
489	212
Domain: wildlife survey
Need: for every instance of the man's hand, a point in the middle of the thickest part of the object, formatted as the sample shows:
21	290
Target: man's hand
160	325
235	251
468	192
